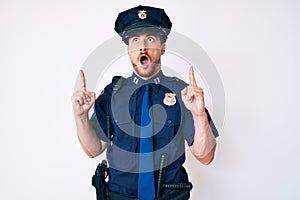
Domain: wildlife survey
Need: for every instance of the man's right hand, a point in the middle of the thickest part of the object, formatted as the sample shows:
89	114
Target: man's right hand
83	100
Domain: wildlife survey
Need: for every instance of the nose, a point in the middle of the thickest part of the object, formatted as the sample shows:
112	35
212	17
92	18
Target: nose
143	49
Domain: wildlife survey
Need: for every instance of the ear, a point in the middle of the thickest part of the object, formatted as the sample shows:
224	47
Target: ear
163	48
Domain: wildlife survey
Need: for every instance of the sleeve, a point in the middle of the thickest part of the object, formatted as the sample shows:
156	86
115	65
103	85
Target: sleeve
101	113
189	129
211	124
95	124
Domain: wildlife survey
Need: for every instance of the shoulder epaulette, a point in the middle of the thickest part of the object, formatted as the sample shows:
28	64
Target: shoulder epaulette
176	80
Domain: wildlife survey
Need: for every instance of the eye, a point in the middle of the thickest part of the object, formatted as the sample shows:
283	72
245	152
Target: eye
134	40
150	39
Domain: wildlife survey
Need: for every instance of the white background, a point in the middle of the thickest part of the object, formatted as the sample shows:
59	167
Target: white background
254	45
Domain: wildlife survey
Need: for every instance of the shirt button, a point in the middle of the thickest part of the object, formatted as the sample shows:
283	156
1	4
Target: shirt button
169	121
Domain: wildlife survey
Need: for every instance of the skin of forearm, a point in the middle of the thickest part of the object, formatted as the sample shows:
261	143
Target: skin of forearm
204	141
87	137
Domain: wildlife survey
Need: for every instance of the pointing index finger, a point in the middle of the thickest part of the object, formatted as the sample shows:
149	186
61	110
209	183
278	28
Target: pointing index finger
192	77
82	80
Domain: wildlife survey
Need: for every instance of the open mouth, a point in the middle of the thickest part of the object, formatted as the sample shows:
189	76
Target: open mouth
144	60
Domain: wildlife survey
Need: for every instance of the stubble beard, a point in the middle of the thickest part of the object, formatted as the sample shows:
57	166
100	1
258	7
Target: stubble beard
149	72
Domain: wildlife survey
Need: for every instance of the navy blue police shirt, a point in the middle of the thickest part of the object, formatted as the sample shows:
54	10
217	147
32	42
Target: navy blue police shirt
172	124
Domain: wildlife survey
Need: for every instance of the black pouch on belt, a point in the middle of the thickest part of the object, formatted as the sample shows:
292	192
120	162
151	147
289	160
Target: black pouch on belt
98	181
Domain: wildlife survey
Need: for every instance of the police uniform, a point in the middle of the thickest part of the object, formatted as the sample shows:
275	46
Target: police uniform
117	116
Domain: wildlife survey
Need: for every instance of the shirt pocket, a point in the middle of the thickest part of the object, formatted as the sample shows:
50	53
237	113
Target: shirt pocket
124	134
166	129
122	155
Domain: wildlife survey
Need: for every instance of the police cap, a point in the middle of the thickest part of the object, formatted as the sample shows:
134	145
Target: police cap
142	19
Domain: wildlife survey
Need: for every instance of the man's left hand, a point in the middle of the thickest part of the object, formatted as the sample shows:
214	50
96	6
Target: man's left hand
193	97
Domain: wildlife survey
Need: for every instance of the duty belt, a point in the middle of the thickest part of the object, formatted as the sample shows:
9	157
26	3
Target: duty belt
179	191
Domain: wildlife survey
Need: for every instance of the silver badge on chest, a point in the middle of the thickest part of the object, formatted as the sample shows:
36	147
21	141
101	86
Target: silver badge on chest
170	99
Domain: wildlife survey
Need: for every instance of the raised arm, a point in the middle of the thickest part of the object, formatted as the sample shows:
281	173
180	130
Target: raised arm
204	144
82	101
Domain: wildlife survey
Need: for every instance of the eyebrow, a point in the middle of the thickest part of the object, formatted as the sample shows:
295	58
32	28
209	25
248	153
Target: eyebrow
151	34
148	34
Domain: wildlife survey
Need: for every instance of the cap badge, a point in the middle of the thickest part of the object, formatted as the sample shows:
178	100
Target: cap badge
169	99
142	14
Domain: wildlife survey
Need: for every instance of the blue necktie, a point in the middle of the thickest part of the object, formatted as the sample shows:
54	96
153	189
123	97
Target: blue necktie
146	187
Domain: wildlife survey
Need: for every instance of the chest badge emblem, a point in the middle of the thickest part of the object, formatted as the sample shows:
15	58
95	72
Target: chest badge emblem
169	99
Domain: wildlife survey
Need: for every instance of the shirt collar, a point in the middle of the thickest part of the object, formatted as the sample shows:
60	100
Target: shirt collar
137	81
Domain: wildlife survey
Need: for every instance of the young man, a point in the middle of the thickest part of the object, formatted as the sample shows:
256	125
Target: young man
146	115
